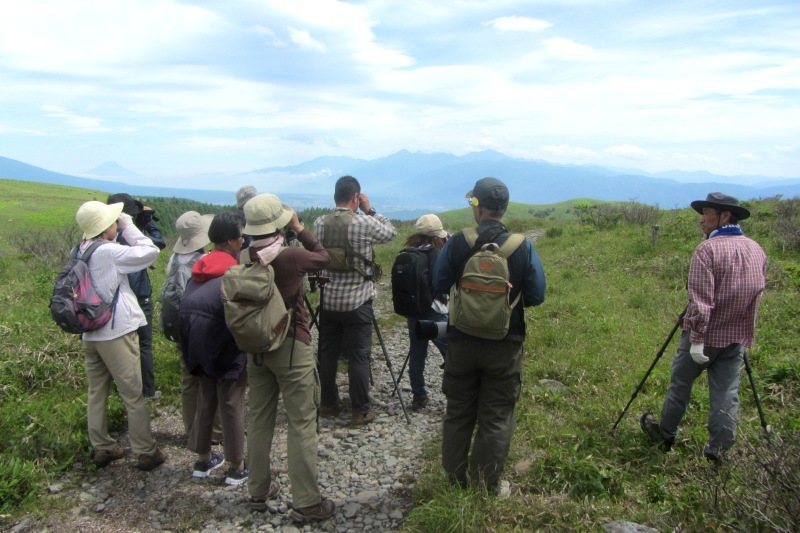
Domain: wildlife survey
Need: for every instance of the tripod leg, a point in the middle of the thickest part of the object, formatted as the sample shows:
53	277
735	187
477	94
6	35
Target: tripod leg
755	393
312	313
389	366
658	356
402	369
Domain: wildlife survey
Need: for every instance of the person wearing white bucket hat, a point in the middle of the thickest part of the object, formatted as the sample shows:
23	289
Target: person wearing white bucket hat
190	246
112	351
290	370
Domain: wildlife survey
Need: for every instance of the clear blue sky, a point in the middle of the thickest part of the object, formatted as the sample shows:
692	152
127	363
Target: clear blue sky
176	88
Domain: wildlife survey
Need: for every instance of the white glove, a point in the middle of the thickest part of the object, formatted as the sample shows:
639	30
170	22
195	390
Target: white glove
696	351
124	221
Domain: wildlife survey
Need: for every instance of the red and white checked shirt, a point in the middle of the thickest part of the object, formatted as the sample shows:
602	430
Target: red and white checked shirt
726	281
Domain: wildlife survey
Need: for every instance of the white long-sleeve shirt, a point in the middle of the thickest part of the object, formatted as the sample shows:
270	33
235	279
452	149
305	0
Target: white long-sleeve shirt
109	267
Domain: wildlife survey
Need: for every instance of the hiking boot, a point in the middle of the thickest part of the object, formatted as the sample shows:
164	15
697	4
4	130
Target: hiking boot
155	396
204	468
314	513
652	429
419	403
236	477
329	411
361	419
103	458
150	461
259	503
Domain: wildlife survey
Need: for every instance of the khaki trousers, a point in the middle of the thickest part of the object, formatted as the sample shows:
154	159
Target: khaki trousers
294	376
116	360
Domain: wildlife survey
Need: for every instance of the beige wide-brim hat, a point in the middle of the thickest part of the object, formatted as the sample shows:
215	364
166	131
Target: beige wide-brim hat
95	217
431	226
265	214
192	232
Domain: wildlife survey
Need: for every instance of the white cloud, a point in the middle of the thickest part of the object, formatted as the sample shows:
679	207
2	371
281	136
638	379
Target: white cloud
80	123
788	148
564	150
515	23
628	151
268	35
305	41
751	157
562	48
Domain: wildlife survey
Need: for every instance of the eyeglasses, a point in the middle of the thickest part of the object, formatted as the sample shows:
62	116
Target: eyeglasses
472	201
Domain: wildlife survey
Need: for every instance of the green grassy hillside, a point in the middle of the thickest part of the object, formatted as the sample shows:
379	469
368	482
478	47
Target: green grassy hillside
613	295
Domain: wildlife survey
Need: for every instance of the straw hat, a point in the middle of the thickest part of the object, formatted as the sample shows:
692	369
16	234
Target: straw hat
431	226
265	214
95	217
192	232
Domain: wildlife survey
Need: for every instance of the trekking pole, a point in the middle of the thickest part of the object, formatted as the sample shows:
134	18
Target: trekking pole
389	366
652	365
755	393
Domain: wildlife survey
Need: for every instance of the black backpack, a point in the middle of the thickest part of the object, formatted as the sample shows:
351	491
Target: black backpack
412	293
75	305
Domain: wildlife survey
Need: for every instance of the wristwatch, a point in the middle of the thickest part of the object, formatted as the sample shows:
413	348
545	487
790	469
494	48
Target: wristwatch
371	212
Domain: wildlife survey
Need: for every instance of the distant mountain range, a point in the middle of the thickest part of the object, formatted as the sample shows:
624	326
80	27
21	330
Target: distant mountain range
404	184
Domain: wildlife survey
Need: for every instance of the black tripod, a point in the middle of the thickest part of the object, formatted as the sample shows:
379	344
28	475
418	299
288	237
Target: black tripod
661	352
316	317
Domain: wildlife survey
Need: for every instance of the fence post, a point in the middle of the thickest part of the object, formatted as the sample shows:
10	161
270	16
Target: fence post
654	235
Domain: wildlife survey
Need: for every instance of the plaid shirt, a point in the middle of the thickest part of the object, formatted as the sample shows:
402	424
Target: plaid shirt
726	282
349	290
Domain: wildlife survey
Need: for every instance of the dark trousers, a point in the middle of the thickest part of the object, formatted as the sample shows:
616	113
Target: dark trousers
418	351
146	349
347	333
482	382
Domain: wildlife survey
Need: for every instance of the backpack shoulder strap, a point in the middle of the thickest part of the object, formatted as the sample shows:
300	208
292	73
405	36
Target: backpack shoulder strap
471	235
90	250
512	243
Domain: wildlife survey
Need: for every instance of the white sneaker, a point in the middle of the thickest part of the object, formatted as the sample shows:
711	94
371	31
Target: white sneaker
503	490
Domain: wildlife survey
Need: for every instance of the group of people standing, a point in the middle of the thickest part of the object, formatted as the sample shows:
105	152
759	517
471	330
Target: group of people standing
482	376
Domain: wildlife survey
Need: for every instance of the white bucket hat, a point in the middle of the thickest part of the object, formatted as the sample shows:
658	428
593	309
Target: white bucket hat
431	226
265	214
95	217
192	232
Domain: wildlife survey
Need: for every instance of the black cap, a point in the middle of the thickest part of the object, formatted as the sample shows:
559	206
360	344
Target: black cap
129	205
491	194
723	202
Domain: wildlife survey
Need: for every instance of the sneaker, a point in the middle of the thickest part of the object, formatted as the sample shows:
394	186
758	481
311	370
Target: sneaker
259	503
204	468
652	429
419	403
502	490
236	477
155	396
314	513
152	460
361	419
103	458
329	411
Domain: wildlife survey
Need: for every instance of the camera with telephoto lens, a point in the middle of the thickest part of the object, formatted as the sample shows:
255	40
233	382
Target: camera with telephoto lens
430	329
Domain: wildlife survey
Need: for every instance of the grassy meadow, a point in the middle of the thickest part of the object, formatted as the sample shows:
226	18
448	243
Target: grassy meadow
613	296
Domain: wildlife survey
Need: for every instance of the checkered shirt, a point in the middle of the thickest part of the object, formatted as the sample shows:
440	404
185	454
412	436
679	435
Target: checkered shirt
727	277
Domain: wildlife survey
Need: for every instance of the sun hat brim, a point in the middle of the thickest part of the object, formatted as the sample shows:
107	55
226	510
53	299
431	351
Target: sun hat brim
185	245
96	217
740	212
265	228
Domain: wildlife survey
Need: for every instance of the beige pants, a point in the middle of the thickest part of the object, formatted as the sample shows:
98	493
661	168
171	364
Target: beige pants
116	360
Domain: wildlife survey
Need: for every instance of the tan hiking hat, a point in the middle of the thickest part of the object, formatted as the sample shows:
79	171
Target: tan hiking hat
265	214
431	226
192	232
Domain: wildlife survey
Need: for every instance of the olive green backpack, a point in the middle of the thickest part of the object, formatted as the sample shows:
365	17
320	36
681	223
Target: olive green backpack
479	300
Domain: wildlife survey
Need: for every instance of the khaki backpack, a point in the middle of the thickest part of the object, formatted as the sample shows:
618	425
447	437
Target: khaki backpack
254	308
479	300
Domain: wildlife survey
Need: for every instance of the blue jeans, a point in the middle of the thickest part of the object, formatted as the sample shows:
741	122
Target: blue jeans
724	369
418	351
